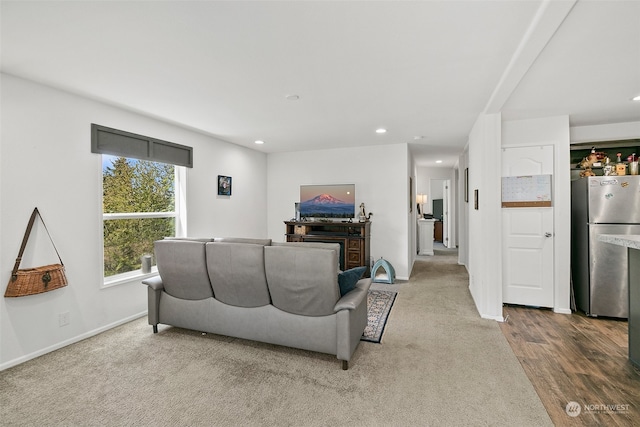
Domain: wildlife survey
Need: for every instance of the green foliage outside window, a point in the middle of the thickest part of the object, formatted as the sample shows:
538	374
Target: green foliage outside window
131	186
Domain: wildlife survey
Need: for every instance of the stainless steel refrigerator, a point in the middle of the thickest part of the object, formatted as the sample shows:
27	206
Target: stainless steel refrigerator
602	205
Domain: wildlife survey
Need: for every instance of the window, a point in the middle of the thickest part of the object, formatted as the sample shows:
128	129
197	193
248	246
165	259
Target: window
138	204
142	198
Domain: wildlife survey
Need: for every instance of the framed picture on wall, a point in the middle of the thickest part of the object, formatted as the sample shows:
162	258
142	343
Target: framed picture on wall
466	185
410	194
224	185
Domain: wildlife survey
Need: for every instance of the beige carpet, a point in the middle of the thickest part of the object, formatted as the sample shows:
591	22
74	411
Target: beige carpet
439	364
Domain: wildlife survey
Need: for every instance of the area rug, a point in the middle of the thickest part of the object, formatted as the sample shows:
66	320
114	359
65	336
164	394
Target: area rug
379	305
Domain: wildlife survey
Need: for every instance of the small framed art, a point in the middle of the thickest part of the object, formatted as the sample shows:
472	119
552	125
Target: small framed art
224	185
410	194
466	185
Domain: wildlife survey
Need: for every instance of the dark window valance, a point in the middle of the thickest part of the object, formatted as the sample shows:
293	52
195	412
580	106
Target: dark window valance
116	142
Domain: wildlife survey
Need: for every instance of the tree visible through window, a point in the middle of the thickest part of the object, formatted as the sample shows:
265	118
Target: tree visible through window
138	209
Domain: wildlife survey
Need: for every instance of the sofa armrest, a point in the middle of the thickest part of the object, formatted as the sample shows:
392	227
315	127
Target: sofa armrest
154	283
354	298
154	291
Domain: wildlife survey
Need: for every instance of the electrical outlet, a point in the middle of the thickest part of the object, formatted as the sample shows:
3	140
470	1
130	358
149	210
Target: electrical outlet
63	319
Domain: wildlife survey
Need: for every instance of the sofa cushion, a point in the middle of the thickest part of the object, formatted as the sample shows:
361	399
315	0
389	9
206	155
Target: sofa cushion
347	280
183	268
191	239
318	245
263	242
302	280
236	271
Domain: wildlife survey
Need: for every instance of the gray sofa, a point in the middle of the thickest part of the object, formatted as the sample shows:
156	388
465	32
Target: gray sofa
280	293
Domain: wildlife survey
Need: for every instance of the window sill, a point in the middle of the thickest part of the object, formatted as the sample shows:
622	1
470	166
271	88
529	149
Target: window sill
129	277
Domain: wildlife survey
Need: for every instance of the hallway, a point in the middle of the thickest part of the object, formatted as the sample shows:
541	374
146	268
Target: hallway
571	358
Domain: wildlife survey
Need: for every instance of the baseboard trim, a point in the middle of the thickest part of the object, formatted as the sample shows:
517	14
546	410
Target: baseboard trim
562	310
496	318
69	341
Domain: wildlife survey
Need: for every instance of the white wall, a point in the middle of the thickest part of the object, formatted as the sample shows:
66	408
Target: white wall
238	215
436	191
484	226
381	175
552	131
412	215
607	132
479	243
46	162
463	210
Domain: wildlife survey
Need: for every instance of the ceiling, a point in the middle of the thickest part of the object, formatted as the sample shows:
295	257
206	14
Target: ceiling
423	70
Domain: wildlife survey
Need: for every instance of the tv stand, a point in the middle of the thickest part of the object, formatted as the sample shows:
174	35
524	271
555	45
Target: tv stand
353	238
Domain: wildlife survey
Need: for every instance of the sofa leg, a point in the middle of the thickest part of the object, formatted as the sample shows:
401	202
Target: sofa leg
345	365
155	329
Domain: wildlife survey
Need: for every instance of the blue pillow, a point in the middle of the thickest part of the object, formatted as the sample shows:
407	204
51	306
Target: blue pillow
348	279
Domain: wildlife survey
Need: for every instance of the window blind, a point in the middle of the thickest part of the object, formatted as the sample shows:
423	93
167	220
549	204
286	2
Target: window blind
116	142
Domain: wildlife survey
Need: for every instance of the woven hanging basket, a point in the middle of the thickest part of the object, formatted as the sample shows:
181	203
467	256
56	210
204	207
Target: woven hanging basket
31	281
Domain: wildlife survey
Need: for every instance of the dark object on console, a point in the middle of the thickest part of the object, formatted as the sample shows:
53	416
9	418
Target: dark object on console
437	209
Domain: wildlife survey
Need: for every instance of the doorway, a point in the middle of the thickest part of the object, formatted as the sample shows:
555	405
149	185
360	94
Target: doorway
528	233
441	209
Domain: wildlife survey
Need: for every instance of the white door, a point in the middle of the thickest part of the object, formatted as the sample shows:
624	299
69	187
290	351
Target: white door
527	233
446	209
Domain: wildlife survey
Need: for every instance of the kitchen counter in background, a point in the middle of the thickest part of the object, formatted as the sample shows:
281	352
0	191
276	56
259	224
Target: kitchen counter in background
632	242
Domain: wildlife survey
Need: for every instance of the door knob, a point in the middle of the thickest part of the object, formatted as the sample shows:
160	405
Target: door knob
547	234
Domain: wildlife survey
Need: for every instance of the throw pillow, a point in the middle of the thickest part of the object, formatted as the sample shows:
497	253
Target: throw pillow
348	279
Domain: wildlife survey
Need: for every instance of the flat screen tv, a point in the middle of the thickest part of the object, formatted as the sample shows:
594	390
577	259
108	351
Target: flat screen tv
328	201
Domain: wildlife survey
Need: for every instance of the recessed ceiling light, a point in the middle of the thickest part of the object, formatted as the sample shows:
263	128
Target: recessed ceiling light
637	98
438	161
259	142
417	137
292	97
381	130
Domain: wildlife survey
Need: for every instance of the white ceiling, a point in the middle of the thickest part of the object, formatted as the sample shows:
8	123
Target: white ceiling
419	69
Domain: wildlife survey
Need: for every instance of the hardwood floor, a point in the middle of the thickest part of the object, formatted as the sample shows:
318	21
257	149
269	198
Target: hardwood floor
575	358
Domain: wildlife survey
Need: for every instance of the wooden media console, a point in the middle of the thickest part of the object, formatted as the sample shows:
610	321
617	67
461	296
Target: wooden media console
353	238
